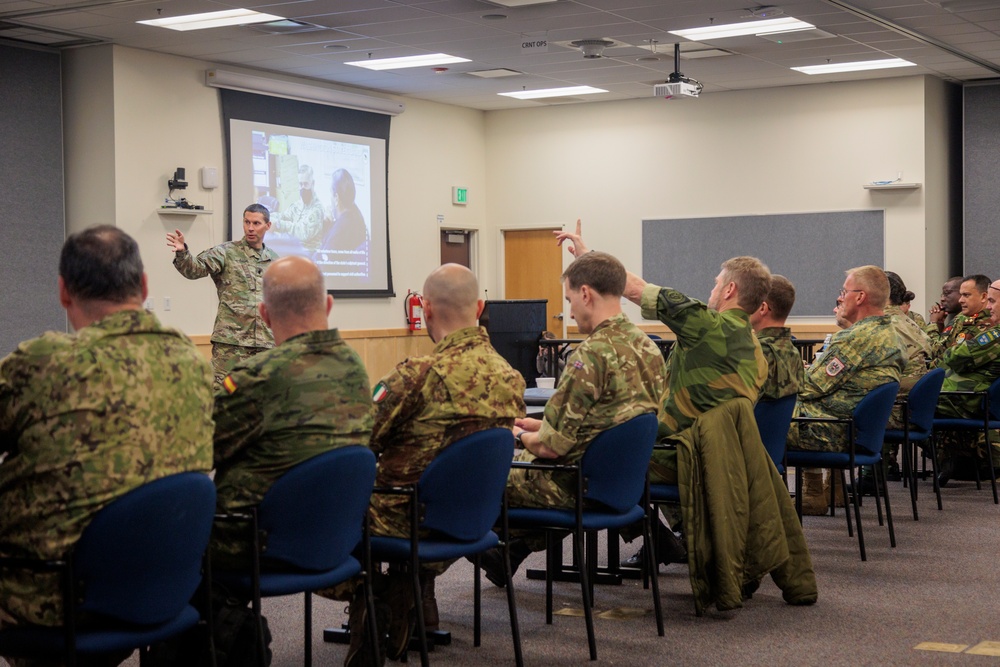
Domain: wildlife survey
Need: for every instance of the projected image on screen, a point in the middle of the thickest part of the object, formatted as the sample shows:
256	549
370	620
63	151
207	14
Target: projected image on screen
326	195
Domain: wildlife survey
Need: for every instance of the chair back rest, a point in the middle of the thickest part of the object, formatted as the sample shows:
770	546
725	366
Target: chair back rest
312	516
615	463
923	399
461	490
139	560
871	416
994	394
774	418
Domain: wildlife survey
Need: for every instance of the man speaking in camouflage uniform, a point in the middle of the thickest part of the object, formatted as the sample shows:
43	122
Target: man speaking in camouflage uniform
972	365
303	220
784	363
421	406
236	268
615	374
87	417
308	395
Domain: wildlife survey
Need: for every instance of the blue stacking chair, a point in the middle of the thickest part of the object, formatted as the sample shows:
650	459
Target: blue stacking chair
457	501
132	573
773	420
989	421
303	534
918	426
865	432
611	492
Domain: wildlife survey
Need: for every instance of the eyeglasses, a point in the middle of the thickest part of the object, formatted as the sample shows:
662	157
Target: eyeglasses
844	292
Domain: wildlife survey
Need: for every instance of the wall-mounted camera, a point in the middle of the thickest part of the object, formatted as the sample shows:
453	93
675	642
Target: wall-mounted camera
177	182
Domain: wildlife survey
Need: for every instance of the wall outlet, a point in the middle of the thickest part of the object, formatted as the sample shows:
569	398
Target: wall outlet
166	303
150	303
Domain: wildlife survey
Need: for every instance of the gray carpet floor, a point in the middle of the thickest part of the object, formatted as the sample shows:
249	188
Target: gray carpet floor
939	586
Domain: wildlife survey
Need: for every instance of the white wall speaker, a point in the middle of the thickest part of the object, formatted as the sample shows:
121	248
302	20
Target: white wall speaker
209	178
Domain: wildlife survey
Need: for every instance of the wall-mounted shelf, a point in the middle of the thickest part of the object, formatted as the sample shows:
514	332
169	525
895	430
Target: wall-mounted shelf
182	211
893	186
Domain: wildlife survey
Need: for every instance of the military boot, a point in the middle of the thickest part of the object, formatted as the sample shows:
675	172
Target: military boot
431	620
815	494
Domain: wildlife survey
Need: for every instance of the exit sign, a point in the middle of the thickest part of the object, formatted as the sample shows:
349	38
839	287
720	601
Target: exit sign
460	196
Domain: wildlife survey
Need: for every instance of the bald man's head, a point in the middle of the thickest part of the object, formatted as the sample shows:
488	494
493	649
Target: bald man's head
294	290
453	292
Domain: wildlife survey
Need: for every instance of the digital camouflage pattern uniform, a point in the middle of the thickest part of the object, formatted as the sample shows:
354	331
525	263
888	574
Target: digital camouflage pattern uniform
304	222
716	358
785	369
237	271
615	374
961	329
860	358
918	319
84	419
277	409
970	366
424	404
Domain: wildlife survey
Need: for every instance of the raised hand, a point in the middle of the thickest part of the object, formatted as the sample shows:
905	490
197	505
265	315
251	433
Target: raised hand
175	241
576	247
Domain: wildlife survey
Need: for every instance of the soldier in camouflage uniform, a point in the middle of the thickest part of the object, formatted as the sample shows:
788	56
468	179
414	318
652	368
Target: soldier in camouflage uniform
942	314
861	357
87	417
304	219
615	374
236	268
973	319
422	406
784	363
971	366
308	395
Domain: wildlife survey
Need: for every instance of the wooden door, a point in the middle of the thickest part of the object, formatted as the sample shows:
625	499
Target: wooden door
532	267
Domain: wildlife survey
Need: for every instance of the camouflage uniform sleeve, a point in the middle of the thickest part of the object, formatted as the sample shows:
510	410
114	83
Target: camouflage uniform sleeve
400	402
580	387
833	370
8	439
302	222
974	352
208	262
238	418
687	318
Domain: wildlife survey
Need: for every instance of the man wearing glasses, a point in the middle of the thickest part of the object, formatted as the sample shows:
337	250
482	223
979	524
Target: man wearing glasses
861	357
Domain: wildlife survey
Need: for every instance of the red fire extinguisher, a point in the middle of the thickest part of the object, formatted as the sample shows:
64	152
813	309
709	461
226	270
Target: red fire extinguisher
414	311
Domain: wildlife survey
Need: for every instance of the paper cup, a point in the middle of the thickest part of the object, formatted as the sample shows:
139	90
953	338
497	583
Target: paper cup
545	383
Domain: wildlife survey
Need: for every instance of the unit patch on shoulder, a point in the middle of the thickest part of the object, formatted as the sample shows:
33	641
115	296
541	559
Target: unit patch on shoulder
578	365
834	366
960	338
988	337
673	296
380	392
229	384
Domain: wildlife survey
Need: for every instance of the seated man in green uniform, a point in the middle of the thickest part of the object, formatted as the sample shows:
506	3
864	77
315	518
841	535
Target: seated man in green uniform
972	365
421	406
784	363
861	357
615	374
972	319
308	395
87	417
716	357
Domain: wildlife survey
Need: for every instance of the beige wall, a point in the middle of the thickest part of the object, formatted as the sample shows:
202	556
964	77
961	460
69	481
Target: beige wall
132	117
780	150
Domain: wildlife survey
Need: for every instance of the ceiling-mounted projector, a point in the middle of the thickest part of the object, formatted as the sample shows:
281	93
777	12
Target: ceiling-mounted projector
676	89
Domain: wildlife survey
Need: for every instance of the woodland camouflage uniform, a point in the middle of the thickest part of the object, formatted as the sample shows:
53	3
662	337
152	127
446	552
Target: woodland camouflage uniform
716	358
277	409
785	370
86	418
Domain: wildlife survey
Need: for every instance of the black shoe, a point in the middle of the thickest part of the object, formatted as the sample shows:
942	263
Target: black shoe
947	470
893	475
867	485
361	653
750	588
492	562
399	598
669	549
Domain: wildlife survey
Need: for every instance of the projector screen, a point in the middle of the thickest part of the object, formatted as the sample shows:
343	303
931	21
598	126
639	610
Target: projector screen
327	196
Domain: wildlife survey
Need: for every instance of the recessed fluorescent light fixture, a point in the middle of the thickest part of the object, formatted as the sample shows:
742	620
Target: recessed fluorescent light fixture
213	19
553	92
426	60
767	27
859	66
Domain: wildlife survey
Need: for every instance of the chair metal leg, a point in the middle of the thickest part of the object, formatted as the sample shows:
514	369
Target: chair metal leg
934	470
847	507
909	477
551	563
993	472
421	627
372	625
880	485
650	565
878	495
588	611
515	628
477	603
798	492
857	513
307	653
